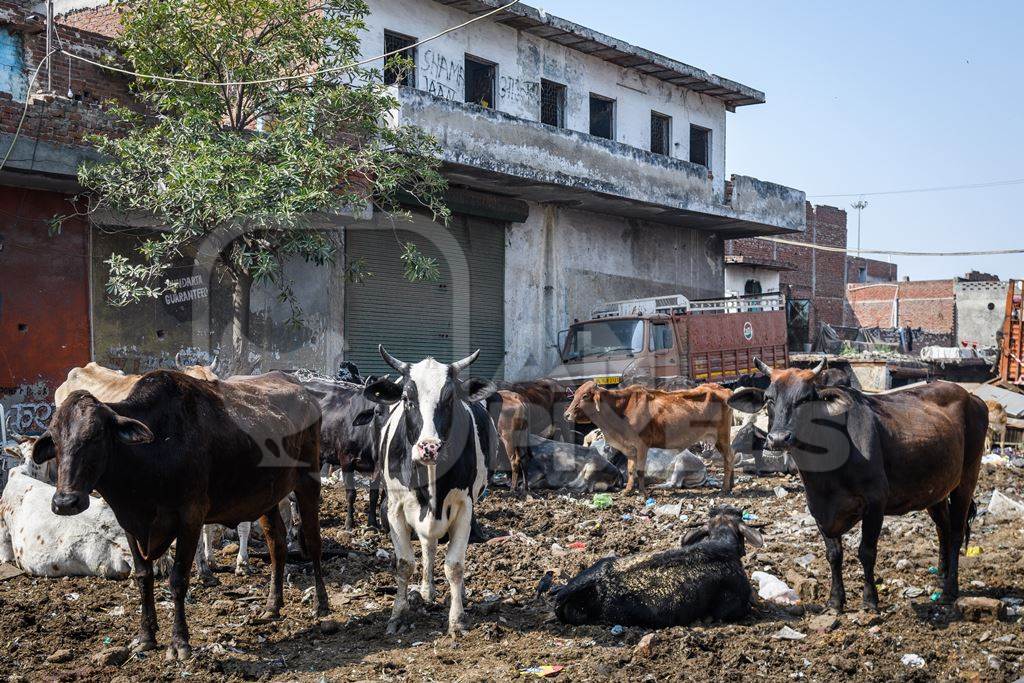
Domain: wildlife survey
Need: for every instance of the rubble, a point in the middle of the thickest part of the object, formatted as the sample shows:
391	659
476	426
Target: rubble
981	609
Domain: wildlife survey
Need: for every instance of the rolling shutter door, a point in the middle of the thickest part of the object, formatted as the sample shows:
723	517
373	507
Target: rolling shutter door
461	312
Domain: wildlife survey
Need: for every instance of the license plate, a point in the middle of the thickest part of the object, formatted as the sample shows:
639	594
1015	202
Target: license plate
607	379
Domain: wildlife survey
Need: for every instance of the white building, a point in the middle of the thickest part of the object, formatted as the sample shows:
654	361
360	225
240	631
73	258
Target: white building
582	169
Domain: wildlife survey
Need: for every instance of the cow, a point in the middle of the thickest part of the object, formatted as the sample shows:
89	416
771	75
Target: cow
435	445
180	452
635	419
348	438
513	425
21	455
111	386
555	465
864	457
527	408
833	377
704	578
997	420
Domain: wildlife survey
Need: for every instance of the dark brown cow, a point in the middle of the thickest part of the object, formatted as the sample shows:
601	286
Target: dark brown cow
180	452
635	419
863	457
527	408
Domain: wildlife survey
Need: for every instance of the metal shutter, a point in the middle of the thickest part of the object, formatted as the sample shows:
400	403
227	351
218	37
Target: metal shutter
440	319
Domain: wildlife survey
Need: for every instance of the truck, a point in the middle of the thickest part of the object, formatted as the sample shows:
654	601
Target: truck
666	337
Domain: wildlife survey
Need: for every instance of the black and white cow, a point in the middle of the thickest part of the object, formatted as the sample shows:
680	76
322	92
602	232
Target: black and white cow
435	446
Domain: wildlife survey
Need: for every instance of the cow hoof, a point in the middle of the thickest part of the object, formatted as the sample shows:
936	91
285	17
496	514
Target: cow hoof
244	569
209	580
397	625
178	651
458	629
420	598
270	615
142	644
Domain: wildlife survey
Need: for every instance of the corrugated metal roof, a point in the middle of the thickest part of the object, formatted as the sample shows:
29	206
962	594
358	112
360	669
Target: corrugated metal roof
1011	400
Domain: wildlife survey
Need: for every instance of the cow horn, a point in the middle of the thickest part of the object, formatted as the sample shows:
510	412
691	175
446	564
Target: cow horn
460	365
819	367
177	359
762	366
213	363
392	361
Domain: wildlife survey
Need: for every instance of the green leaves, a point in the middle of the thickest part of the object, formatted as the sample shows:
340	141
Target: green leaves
268	162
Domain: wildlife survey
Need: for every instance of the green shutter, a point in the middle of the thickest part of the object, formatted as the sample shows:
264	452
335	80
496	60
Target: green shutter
418	319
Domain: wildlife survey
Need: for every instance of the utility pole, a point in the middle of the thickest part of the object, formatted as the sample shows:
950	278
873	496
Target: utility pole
860	205
49	46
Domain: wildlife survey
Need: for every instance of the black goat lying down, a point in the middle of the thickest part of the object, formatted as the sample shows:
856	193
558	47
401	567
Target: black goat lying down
703	578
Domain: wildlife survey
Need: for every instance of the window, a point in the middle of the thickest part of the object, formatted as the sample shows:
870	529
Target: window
661	133
552	103
604	339
700	146
752	287
602	117
480	77
862	274
661	337
393	73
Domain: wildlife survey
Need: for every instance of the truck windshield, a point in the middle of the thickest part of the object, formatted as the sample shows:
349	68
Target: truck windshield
604	338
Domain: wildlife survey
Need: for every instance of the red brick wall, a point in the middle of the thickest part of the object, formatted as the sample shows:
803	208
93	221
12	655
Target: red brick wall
925	304
102	20
819	274
877	271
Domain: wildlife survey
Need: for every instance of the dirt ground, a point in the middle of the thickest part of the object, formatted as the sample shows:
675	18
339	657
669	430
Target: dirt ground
53	629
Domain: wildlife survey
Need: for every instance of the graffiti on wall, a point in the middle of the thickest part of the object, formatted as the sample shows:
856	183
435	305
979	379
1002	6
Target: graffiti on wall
27	408
526	93
441	76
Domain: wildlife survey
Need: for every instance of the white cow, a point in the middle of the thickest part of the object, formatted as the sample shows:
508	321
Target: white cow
435	446
44	544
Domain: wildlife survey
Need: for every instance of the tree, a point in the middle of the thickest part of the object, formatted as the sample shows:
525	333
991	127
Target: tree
250	163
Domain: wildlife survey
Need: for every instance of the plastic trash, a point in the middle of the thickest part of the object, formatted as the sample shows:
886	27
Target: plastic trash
933	570
973	550
912	660
1002	508
748	516
650	502
774	589
578	546
805	560
781	492
601	501
936	594
993	459
787	633
618	630
669	510
542	671
626	517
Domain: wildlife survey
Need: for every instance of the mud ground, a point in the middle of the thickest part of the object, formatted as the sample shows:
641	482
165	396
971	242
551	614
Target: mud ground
53	629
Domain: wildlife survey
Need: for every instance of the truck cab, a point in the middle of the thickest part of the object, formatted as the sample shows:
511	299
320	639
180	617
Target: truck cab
710	340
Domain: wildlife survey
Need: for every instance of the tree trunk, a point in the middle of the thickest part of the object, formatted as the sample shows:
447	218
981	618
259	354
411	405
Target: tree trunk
240	314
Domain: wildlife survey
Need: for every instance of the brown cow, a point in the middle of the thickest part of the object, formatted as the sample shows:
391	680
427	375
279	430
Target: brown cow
178	452
514	431
109	385
527	408
996	425
635	419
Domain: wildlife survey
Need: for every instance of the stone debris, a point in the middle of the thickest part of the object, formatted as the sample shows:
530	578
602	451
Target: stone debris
981	609
912	660
787	633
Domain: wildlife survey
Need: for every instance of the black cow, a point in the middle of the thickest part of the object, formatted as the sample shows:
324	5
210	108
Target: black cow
863	457
180	452
435	447
704	578
349	436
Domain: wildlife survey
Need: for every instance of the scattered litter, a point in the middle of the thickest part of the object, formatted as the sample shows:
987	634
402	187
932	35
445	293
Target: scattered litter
805	560
936	594
912	660
774	589
578	546
787	633
543	671
382	554
558	551
993	459
618	630
72	597
748	516
973	550
650	502
1003	508
626	517
913	592
669	510
781	492
513	536
601	501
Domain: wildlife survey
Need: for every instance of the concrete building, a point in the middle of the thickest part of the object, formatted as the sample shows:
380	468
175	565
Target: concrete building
582	169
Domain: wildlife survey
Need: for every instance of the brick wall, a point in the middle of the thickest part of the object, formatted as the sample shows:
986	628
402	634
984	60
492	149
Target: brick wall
57	118
877	271
925	304
102	20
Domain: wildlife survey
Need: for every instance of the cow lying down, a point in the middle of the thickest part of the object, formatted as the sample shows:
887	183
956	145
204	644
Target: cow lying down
44	544
556	465
703	578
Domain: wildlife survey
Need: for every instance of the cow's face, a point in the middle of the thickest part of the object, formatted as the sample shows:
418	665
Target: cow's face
430	393
794	403
82	436
585	402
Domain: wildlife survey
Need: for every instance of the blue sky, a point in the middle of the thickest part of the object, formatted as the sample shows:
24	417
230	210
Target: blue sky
864	97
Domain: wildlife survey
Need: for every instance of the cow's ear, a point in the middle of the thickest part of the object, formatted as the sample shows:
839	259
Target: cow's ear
383	391
132	432
694	535
747	400
752	536
478	389
364	418
836	400
43	450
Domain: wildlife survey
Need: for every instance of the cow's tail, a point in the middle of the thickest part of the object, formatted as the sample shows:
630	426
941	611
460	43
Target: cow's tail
972	512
